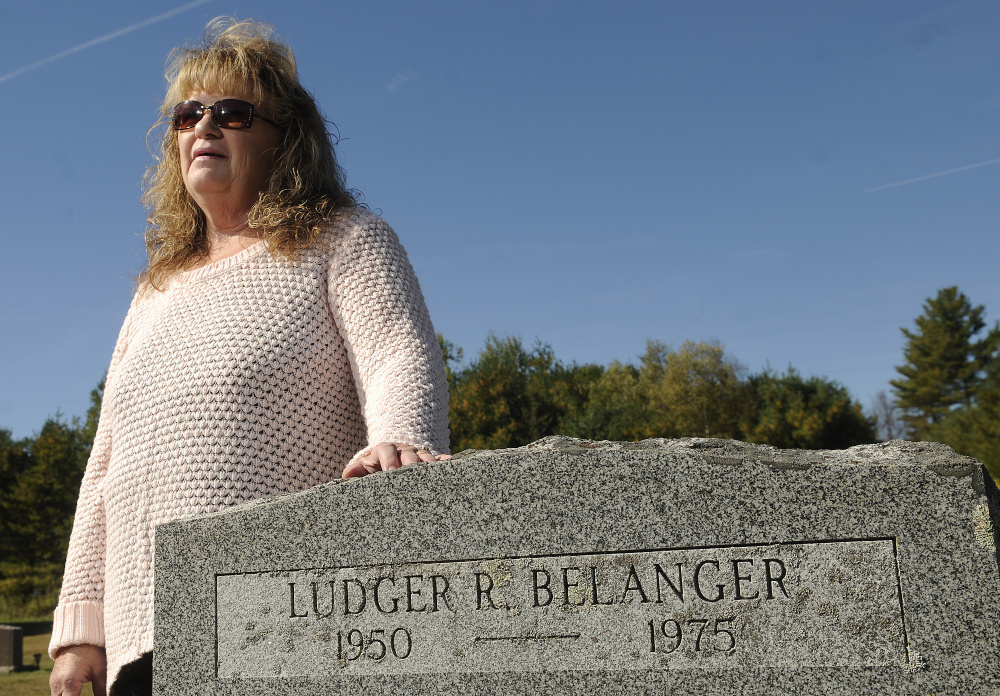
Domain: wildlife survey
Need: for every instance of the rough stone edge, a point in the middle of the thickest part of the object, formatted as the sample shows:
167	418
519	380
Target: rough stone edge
939	458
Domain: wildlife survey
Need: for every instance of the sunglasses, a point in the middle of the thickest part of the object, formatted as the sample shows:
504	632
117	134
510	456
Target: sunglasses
226	113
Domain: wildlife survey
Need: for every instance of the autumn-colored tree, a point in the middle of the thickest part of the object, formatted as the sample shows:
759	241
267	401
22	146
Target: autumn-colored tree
695	391
510	396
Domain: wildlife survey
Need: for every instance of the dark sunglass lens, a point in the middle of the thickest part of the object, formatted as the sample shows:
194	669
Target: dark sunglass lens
186	115
233	113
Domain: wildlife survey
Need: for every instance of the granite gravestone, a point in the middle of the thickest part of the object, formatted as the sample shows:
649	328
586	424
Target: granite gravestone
687	566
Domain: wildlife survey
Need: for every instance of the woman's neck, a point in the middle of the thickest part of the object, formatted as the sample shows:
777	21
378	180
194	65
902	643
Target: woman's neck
224	242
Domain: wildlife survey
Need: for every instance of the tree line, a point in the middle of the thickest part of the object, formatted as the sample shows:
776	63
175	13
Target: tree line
39	482
511	394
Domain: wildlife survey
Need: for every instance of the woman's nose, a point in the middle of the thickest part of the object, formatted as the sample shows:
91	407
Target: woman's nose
206	126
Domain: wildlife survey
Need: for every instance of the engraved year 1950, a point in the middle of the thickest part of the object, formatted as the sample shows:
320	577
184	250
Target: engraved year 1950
375	646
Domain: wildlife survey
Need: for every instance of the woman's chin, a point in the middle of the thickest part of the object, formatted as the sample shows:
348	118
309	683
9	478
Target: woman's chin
201	186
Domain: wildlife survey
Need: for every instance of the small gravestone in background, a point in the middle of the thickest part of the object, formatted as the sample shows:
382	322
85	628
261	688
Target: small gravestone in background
688	567
11	642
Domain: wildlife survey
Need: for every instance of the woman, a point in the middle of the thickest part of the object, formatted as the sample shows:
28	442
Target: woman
277	332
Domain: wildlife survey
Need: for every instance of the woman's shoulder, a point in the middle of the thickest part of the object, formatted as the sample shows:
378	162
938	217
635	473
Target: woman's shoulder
353	227
354	221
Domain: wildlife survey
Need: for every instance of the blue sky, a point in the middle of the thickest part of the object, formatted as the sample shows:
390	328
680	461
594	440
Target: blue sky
590	175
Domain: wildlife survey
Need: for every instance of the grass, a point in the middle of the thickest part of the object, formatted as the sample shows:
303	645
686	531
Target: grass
33	683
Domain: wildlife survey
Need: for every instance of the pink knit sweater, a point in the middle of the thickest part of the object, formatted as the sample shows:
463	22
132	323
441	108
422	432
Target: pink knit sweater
249	377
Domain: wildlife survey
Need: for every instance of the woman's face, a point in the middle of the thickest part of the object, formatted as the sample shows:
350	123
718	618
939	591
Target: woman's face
225	169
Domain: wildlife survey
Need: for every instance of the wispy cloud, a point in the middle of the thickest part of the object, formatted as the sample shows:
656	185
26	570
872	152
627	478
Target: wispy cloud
102	39
399	79
935	175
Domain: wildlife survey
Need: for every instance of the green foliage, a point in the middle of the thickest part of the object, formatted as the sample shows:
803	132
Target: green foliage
815	413
975	430
39	482
451	355
509	396
14	460
695	391
950	385
612	408
89	428
945	362
36	512
28	592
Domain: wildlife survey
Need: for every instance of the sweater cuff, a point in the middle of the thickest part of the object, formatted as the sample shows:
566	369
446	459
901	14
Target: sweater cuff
77	623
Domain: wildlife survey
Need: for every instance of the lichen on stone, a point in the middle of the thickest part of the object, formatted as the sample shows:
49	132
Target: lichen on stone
982	527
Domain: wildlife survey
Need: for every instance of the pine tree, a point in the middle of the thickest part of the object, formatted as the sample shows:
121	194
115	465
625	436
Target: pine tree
945	362
975	431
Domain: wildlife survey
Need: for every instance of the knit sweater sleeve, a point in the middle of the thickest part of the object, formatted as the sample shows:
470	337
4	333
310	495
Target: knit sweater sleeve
395	356
79	617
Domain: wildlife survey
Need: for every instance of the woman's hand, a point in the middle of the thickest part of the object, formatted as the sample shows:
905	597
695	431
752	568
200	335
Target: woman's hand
387	456
75	666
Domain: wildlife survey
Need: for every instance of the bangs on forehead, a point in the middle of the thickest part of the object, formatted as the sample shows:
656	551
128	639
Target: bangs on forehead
196	76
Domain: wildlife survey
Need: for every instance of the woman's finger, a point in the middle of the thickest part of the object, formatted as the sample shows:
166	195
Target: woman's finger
388	456
353	470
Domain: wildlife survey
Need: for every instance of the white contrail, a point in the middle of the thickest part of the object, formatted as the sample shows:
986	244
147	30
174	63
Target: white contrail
106	37
935	175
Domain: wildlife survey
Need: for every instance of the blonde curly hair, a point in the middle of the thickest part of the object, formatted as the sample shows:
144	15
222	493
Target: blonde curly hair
306	188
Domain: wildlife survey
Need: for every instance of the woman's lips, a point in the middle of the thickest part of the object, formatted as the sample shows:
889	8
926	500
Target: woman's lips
202	153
